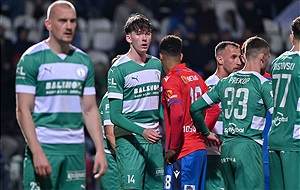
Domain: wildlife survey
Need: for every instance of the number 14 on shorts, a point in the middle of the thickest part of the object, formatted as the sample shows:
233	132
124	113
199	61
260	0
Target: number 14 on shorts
130	179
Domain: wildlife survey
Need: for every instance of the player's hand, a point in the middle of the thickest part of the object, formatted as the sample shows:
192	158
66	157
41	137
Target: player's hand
151	135
212	140
41	164
99	162
169	157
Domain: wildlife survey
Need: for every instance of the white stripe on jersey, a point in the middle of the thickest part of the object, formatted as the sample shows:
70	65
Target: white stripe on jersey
143	104
258	123
114	95
53	71
89	90
107	122
59	136
298	105
57	104
25	89
153	125
207	99
142	77
296	134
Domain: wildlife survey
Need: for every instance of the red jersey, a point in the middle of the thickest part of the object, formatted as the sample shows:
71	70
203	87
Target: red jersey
185	86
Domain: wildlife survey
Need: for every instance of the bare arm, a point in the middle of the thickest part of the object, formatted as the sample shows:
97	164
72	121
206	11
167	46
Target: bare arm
92	122
109	133
25	105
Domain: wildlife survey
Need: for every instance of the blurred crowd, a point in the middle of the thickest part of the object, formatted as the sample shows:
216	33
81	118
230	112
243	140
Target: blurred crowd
200	23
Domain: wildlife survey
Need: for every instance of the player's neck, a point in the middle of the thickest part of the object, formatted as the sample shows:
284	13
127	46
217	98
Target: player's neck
221	73
296	47
58	48
136	57
252	66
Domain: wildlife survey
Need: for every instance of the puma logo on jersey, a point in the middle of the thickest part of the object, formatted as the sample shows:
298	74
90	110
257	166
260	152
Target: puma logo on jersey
176	173
135	78
49	70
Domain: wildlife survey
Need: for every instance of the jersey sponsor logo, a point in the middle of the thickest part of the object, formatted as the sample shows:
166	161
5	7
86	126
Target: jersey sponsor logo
20	73
187	79
279	119
112	82
236	80
228	159
166	78
284	66
148	88
63	87
170	94
76	175
159	171
189	187
233	129
176	173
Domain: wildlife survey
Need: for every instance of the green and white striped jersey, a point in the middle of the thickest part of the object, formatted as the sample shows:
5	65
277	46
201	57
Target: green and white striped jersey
245	98
285	131
58	83
105	118
139	86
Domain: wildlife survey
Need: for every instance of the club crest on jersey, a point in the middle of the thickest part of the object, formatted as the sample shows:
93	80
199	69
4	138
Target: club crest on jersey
81	72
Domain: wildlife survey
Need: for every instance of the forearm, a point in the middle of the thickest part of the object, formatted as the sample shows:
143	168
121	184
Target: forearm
211	116
28	129
196	110
109	133
93	123
120	120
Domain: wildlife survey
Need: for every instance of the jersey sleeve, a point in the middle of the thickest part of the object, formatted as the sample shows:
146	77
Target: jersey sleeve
267	95
89	86
104	111
26	75
115	83
171	90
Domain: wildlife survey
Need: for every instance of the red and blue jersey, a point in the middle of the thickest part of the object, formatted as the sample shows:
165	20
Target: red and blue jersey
185	86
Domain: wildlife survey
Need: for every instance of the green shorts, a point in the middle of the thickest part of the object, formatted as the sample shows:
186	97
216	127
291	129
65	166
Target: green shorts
284	169
214	173
67	164
243	164
110	179
141	165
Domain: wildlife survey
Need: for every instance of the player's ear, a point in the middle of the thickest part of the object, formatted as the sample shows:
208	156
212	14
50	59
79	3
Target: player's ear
181	57
161	56
47	24
128	38
219	60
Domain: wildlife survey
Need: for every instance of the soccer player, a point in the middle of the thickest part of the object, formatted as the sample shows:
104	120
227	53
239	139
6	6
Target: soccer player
245	98
284	135
186	154
134	90
55	90
110	179
228	56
